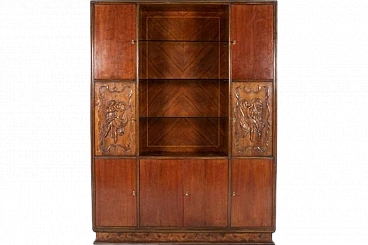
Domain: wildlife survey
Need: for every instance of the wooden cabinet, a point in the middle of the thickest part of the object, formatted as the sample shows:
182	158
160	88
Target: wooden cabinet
183	121
183	193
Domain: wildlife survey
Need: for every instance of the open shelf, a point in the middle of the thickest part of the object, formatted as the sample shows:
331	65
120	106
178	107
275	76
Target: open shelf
183	135
183	80
184	98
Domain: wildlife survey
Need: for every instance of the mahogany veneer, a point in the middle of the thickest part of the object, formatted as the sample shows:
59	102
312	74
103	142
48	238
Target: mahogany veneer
183	121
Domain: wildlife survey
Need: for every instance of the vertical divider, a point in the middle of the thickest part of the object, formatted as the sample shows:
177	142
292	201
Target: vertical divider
137	116
229	131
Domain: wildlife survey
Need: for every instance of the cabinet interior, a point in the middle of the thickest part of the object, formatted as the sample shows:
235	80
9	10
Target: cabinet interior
183	79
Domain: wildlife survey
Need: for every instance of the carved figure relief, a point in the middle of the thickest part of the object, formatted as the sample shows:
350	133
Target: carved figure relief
115	127
252	129
115	119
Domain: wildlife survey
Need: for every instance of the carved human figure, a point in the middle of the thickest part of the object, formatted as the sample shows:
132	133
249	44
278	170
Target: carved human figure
251	119
115	119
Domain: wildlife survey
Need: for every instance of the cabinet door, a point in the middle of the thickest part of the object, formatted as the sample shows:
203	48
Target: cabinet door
253	30
251	193
205	188
161	193
252	118
115	118
115	188
114	52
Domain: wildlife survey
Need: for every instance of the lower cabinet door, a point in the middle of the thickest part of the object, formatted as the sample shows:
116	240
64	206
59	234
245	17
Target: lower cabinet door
161	193
183	193
251	203
115	192
205	193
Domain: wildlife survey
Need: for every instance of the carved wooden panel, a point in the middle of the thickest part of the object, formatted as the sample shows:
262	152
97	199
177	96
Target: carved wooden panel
251	203
115	184
252	29
252	119
114	52
115	118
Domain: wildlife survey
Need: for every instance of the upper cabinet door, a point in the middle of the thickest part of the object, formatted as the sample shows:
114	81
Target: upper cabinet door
253	33
114	30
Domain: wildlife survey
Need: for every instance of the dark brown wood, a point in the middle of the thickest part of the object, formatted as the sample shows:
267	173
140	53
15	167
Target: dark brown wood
205	193
252	31
115	118
201	135
114	51
115	185
251	186
198	135
183	42
185	237
181	98
252	118
161	193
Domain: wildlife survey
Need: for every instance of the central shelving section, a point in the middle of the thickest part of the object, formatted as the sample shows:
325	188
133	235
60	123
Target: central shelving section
183	80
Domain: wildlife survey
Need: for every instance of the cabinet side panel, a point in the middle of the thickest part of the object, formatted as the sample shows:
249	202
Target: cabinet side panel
161	193
251	193
115	202
252	29
114	30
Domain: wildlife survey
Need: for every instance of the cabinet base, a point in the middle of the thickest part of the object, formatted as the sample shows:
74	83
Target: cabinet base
252	238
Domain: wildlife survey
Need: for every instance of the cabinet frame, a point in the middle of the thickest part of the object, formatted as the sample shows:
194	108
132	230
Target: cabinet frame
114	232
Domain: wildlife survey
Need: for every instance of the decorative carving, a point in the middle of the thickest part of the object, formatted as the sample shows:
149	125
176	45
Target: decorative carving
115	118
252	119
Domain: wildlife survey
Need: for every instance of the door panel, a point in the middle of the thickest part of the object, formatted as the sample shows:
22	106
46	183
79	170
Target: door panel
115	200
252	118
161	193
252	192
114	51
115	118
252	29
205	188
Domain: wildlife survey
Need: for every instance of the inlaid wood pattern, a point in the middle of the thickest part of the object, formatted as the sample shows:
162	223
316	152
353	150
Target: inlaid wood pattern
115	118
189	46
252	118
200	237
180	98
114	53
180	60
181	135
193	23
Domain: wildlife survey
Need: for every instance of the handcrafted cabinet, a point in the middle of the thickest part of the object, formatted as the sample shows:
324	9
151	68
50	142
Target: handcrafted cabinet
183	121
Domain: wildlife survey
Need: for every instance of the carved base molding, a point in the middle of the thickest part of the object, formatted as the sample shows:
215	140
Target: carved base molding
185	237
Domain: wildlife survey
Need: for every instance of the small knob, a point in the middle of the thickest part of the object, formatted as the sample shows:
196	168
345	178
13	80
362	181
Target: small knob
233	42
233	194
133	193
186	193
133	42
